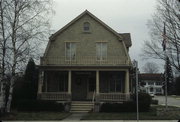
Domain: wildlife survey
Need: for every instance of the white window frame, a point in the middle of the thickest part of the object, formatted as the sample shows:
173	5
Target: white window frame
101	53
70	59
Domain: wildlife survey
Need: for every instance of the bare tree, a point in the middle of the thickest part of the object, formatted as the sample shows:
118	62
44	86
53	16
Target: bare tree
151	67
24	27
167	11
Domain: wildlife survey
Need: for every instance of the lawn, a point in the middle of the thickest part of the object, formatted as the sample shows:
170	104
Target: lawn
35	116
151	115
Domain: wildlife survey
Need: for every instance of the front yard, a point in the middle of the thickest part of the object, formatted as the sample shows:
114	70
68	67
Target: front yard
35	116
151	115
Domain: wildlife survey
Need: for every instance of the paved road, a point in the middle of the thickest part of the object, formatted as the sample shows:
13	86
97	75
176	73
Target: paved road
172	101
104	121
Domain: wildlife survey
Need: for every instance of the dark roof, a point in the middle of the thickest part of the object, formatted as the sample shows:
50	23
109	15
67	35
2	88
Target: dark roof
151	76
127	39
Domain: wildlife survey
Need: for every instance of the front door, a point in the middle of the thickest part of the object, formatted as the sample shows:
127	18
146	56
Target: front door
79	86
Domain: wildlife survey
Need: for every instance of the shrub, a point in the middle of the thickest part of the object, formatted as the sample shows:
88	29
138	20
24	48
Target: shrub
118	107
144	101
155	102
130	106
37	105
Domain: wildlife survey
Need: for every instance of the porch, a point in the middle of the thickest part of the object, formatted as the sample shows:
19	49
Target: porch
99	85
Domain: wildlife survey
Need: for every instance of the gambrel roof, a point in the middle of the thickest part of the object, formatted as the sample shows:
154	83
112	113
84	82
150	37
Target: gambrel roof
121	36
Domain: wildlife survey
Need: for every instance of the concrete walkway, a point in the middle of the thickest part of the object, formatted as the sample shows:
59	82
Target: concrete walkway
75	117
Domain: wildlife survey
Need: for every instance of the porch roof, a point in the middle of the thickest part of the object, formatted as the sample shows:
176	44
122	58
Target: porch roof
52	67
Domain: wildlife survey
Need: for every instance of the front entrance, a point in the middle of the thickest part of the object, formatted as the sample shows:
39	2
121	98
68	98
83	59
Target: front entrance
83	83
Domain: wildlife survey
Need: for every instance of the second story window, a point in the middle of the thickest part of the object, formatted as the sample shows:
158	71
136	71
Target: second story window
158	83
70	50
151	83
101	50
86	27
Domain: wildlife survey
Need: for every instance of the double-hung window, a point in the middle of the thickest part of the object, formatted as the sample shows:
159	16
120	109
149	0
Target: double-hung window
101	50
70	51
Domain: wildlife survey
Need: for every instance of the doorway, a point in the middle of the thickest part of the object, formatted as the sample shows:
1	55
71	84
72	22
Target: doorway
83	82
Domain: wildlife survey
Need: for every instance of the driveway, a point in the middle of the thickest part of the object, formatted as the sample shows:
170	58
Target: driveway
171	100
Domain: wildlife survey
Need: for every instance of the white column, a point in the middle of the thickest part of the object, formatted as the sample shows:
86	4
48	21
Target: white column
127	82
40	83
97	82
69	82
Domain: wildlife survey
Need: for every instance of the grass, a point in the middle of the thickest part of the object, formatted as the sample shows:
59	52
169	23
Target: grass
175	96
35	116
151	115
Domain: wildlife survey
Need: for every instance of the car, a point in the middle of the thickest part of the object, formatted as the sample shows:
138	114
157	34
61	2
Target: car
151	94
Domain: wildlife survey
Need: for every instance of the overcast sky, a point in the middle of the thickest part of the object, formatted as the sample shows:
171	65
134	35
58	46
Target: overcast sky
124	16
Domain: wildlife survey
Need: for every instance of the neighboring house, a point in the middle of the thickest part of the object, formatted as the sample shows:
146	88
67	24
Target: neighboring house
86	60
153	83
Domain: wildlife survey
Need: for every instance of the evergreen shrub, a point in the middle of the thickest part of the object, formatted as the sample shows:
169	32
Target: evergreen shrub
129	106
38	105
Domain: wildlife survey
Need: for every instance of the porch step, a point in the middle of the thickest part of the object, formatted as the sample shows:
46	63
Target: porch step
81	106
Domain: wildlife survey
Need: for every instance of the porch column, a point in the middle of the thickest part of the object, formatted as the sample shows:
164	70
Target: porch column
97	82
40	82
127	82
69	82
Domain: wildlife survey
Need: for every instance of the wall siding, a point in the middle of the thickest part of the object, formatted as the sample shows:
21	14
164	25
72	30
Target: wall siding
86	42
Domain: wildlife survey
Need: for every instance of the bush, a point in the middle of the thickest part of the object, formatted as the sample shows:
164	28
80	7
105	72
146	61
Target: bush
37	105
118	107
144	101
177	85
155	102
130	106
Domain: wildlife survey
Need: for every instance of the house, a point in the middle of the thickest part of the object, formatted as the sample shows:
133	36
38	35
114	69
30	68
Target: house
153	83
88	61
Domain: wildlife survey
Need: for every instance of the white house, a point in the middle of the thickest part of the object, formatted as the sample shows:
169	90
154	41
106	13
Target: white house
153	83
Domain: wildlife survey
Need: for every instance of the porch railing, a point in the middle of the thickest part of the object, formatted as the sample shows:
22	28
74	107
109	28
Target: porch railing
84	60
114	97
54	96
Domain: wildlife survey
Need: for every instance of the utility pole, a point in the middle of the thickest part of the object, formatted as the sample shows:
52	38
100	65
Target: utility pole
135	63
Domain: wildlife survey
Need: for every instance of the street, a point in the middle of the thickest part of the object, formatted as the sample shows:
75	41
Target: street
171	100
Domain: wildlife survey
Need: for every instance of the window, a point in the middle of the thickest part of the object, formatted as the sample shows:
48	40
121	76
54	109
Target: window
101	50
158	83
151	89
158	90
151	83
86	27
57	81
115	85
70	51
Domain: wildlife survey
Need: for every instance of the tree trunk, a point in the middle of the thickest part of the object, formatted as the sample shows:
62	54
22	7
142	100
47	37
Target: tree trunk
8	107
2	97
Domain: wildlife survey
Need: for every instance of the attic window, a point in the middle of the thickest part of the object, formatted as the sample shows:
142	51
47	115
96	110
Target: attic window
86	27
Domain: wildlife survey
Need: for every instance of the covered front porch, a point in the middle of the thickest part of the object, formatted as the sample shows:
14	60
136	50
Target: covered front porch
84	85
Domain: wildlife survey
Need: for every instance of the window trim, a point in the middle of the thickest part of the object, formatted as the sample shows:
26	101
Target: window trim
89	27
101	57
70	50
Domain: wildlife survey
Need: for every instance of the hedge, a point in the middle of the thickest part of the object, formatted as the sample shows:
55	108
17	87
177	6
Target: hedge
37	105
155	102
129	106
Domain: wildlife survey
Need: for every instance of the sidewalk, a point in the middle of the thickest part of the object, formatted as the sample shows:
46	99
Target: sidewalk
101	121
75	117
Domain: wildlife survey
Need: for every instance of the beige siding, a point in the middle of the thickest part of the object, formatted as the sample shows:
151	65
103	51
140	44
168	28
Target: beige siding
86	42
